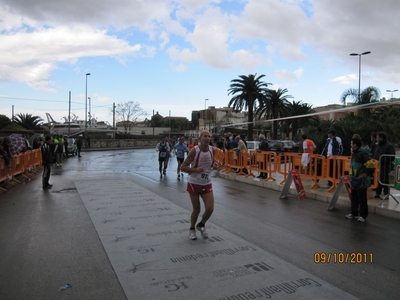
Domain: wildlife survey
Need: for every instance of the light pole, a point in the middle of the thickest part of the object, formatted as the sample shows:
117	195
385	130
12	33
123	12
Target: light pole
87	74
205	113
359	70
90	113
391	91
169	122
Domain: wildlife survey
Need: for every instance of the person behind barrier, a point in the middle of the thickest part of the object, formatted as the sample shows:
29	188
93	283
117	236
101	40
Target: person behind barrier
240	146
385	163
333	147
308	145
361	167
47	160
199	164
374	143
3	153
308	148
262	146
36	143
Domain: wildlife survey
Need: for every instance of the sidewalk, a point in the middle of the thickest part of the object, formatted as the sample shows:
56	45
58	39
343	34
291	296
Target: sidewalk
388	208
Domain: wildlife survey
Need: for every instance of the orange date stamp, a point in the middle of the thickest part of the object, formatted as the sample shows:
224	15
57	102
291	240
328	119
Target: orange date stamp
343	258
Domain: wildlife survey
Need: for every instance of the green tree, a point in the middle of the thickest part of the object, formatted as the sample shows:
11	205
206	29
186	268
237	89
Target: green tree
247	92
369	95
297	108
28	121
273	106
4	121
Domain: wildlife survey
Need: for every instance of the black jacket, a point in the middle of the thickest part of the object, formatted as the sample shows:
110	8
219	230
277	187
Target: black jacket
385	147
47	154
263	146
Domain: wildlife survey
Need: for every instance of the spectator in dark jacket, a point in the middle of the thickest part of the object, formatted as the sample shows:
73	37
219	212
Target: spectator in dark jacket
262	146
47	160
383	147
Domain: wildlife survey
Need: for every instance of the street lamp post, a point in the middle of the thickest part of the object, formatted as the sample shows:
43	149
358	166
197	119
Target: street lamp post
391	91
205	113
359	70
90	113
87	74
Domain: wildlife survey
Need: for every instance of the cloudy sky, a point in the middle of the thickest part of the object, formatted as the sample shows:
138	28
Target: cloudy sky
170	56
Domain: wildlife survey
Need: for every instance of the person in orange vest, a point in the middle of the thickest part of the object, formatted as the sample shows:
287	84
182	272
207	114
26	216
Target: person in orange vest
190	144
308	148
308	145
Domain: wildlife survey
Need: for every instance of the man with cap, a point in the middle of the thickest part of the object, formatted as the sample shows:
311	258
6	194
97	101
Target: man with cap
333	147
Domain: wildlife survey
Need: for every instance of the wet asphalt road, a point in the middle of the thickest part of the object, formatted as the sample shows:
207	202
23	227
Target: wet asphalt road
48	239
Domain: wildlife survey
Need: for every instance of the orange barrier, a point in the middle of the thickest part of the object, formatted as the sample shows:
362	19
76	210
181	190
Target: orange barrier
4	173
230	160
315	170
28	162
17	165
219	156
37	159
20	165
262	162
234	161
336	167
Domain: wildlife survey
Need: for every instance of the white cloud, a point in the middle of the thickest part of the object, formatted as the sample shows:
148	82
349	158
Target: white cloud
30	57
287	75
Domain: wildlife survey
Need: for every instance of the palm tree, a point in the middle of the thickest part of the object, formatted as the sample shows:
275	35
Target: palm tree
369	95
28	121
297	108
273	106
247	91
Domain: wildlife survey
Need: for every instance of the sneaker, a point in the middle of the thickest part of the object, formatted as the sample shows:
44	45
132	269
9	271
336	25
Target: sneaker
192	234
349	216
377	196
361	219
164	172
202	230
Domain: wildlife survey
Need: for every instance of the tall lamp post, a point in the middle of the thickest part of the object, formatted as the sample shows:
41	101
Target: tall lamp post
359	70
205	113
391	91
87	74
90	113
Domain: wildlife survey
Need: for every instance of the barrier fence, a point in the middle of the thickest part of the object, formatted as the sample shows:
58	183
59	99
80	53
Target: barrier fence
244	163
270	164
21	165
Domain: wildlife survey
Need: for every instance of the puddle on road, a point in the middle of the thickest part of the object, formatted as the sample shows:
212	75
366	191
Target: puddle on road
69	190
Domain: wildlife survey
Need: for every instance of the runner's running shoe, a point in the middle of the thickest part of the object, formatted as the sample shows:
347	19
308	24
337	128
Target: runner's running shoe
203	232
192	234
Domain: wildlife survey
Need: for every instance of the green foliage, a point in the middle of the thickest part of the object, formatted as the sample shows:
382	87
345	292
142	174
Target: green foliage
28	121
4	122
247	92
